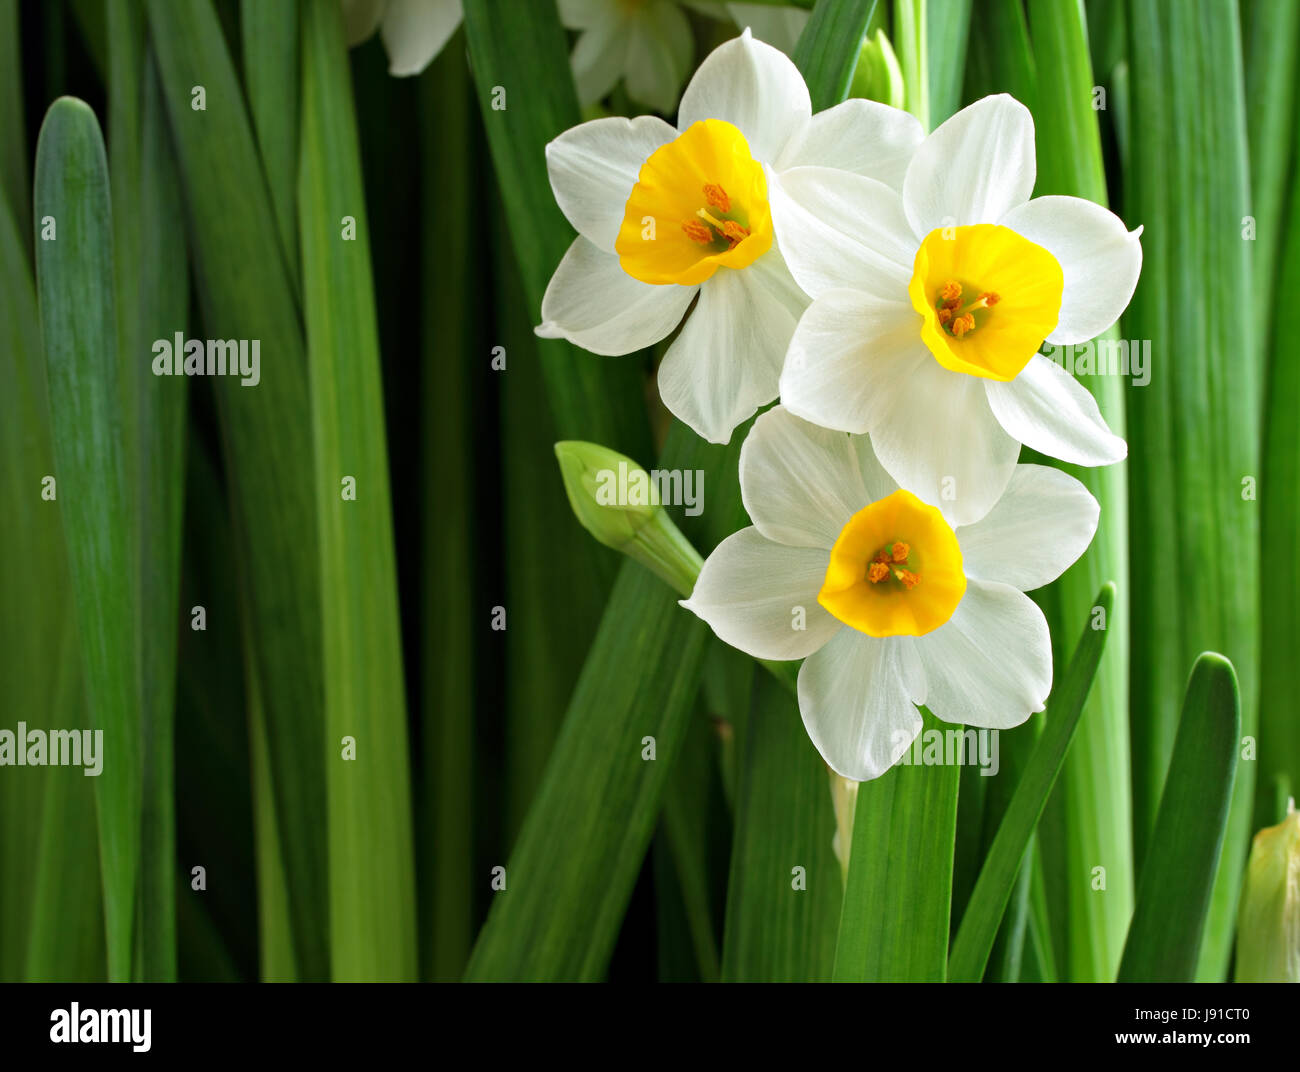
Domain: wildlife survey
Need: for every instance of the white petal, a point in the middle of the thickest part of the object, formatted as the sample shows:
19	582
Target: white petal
1099	257
761	597
990	664
935	434
414	32
594	166
862	136
659	55
850	350
1044	521
755	88
974	168
600	56
837	229
593	303
1048	409
855	696
800	483
727	360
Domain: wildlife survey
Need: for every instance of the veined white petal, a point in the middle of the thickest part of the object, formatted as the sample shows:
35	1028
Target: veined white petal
600	54
414	32
990	664
855	696
1048	409
594	166
800	483
974	168
755	88
1099	257
659	54
727	360
777	24
862	136
1044	521
935	434
761	597
594	304
837	229
848	356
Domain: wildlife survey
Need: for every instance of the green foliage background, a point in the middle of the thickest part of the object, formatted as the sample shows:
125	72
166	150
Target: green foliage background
479	748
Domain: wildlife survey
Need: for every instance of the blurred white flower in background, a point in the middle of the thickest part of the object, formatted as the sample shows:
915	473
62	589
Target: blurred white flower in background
413	31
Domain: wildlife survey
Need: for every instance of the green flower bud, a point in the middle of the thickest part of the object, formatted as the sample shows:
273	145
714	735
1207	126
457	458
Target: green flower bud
878	75
1268	924
616	501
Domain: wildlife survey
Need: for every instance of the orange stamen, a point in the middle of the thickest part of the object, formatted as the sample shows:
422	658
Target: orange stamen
877	572
900	551
716	196
697	232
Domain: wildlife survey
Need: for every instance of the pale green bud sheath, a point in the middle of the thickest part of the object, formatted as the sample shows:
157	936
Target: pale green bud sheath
616	501
1268	924
878	76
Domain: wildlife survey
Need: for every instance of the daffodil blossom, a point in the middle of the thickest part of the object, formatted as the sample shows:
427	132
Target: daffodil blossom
930	306
672	218
414	31
888	601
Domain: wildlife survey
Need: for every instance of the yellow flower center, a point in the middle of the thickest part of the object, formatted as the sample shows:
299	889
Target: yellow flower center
699	204
988	297
895	570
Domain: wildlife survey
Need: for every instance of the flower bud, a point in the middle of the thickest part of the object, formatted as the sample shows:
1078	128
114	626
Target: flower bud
615	500
1268	924
878	75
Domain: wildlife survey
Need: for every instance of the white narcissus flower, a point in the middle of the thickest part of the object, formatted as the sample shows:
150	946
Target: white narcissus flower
414	31
930	306
646	44
888	601
669	217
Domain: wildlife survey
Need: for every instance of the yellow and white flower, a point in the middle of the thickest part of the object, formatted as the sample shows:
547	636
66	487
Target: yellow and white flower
890	602
932	301
667	218
413	31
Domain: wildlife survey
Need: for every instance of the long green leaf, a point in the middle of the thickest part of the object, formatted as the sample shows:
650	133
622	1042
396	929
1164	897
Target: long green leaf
269	35
897	899
1279	729
1095	785
153	303
1178	875
245	291
521	69
453	264
371	851
827	52
783	900
979	926
1194	429
74	272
